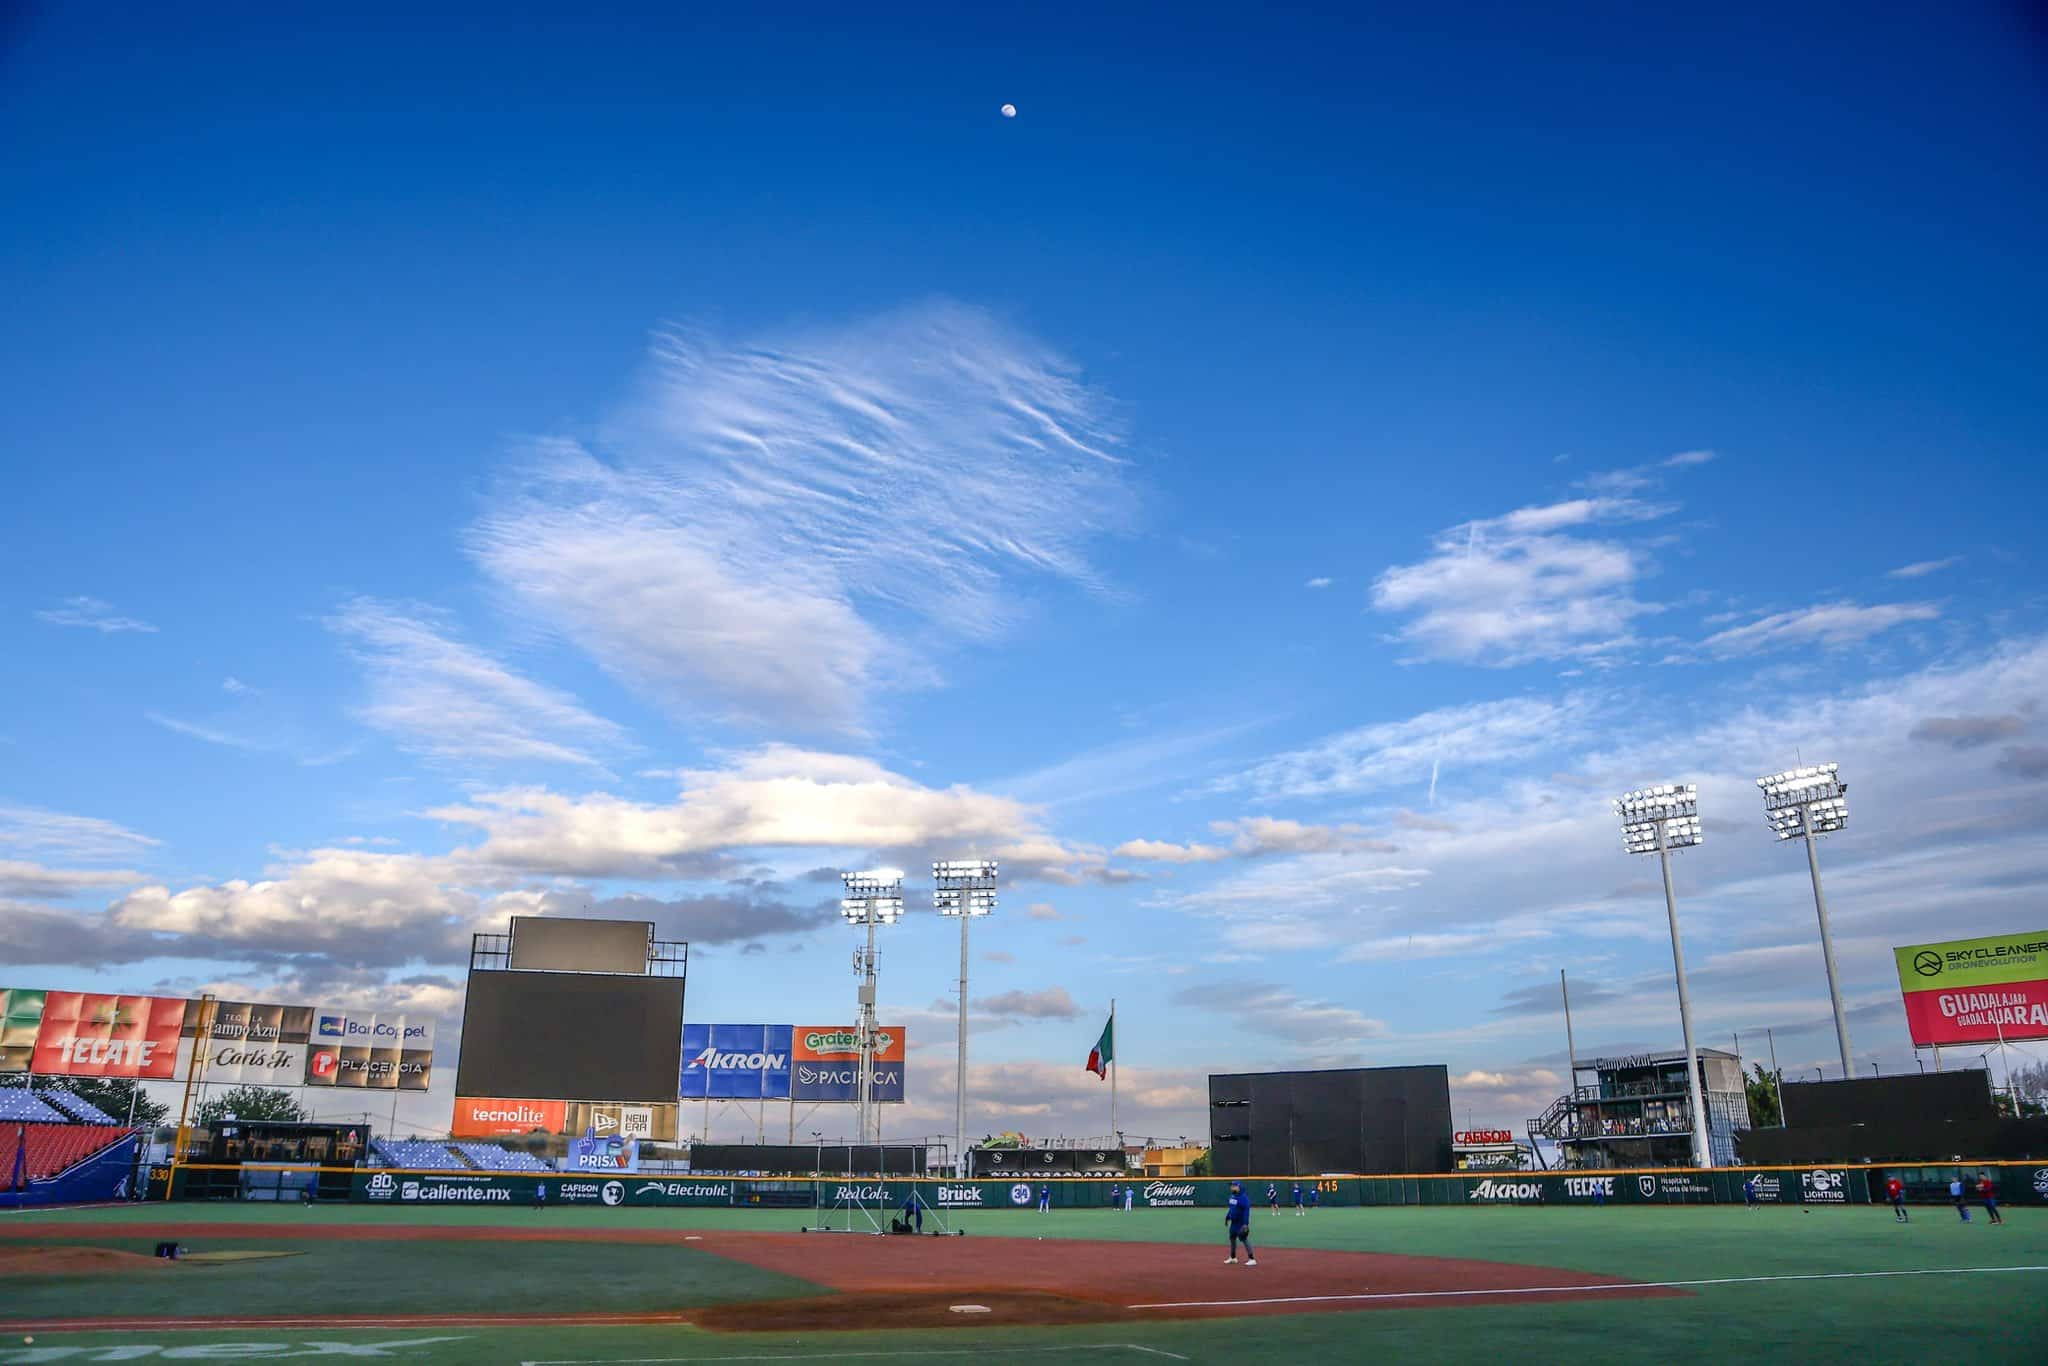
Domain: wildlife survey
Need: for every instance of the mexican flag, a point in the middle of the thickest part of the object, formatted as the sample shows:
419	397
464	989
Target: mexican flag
1104	1052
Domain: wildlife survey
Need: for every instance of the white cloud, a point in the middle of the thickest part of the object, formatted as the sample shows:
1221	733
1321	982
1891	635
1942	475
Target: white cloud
438	696
1279	1013
1832	624
1515	588
92	614
1319	583
1405	752
777	507
1053	1003
1043	910
1257	836
1163	851
24	879
55	833
1685	459
1920	569
774	798
235	686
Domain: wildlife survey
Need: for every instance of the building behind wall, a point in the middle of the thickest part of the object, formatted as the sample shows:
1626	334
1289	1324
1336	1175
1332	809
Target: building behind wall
1634	1111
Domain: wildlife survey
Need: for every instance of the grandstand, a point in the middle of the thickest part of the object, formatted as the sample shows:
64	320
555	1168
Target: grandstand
52	1148
77	1107
25	1106
425	1154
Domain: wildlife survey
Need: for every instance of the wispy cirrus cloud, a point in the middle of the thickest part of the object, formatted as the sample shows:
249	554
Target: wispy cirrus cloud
1406	752
92	614
31	829
1920	569
1831	624
779	511
436	695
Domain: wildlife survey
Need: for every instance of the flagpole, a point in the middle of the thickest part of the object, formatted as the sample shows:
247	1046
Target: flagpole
1113	1051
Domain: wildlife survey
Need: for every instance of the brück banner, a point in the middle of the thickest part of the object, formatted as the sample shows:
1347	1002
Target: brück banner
1976	991
378	1051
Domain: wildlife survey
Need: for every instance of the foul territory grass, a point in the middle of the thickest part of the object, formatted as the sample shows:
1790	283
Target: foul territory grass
1998	1316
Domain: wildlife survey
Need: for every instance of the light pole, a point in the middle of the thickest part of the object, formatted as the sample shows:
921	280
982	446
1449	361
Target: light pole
1803	803
872	898
963	888
1656	820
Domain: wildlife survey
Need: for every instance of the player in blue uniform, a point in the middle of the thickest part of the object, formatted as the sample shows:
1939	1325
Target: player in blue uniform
1957	1193
1115	1195
913	1211
1315	1196
1044	1198
1272	1197
1237	1218
1298	1210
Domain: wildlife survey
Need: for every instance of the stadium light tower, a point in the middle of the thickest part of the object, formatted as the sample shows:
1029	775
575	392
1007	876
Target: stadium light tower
964	888
1656	820
872	898
1801	803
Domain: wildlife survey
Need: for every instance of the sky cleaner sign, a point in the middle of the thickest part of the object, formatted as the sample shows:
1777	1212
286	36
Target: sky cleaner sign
1976	990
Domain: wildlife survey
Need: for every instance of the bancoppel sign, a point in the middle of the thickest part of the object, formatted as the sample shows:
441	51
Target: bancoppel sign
1824	1186
1589	1187
374	1051
1168	1194
1491	1189
382	1186
958	1197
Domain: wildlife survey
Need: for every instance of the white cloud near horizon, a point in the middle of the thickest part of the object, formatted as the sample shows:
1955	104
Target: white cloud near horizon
1404	753
1829	624
783	521
87	838
1920	569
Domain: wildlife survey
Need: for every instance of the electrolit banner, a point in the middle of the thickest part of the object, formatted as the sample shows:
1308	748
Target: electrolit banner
735	1062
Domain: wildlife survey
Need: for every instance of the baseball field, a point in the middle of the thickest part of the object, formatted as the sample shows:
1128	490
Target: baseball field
565	1285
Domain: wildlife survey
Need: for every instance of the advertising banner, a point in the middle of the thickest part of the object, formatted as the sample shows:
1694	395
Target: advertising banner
593	1154
83	1034
1976	990
421	1188
491	1117
379	1051
21	1015
254	1044
825	1063
735	1062
616	1120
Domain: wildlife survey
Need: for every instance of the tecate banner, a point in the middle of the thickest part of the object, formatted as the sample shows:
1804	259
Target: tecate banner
82	1034
380	1051
1976	990
735	1062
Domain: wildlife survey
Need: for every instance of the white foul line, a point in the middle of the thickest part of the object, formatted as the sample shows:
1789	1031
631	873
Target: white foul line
1575	1289
851	1356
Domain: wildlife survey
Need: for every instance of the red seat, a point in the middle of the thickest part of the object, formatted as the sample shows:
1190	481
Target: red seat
52	1147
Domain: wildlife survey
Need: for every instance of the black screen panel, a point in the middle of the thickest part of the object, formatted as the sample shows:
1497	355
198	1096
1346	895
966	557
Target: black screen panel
571	1036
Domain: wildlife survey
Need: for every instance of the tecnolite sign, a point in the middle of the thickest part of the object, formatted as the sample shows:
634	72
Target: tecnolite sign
1975	990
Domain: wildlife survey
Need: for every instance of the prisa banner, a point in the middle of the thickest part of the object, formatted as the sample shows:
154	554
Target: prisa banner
1976	990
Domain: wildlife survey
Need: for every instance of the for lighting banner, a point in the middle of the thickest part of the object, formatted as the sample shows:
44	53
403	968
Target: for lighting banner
84	1034
1976	991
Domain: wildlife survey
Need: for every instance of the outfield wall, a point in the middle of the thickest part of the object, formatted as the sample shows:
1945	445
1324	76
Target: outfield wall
1832	1184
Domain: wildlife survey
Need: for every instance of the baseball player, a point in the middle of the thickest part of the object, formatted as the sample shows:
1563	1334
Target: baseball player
913	1211
1298	1210
1272	1197
1895	1191
1749	1192
1044	1197
1116	1195
1957	1193
1237	1218
1988	1193
1129	1192
1315	1196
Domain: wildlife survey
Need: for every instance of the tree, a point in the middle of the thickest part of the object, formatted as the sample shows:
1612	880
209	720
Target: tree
1200	1166
1762	1087
251	1102
2031	1083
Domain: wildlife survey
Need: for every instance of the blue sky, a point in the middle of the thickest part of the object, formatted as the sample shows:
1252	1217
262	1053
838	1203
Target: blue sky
1271	493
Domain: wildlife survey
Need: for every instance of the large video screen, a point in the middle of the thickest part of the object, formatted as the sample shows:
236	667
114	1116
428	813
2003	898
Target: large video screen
571	1036
561	944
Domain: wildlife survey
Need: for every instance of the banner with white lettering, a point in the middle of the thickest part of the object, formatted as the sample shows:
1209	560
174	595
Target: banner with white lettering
378	1051
87	1034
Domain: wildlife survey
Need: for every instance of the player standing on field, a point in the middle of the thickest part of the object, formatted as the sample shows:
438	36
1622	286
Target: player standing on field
1237	1218
1298	1210
1955	1193
1044	1197
1895	1191
1272	1197
1315	1195
1988	1193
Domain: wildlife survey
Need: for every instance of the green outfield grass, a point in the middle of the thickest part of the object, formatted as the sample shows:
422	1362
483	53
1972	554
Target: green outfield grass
1985	1315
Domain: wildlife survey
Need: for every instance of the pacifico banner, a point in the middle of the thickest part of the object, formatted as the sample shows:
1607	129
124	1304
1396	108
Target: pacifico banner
85	1034
1975	991
825	1063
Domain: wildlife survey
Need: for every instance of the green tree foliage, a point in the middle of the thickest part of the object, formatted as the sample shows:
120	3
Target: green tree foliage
1762	1086
251	1102
1200	1166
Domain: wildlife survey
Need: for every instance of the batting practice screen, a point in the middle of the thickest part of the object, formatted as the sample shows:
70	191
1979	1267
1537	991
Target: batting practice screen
1364	1120
571	1036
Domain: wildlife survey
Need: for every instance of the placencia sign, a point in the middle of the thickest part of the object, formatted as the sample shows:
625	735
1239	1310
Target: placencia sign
1976	990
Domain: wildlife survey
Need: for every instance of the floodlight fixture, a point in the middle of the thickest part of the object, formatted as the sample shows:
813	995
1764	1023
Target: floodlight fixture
1656	820
873	897
964	889
1804	803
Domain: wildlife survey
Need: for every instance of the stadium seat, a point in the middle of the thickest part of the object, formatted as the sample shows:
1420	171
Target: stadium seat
18	1105
77	1107
53	1147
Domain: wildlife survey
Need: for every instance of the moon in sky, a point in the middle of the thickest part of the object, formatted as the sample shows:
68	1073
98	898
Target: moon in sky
1009	111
